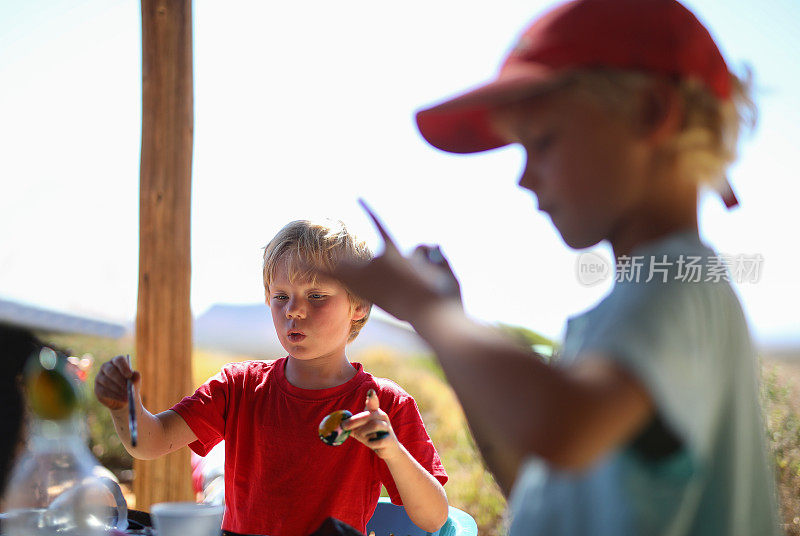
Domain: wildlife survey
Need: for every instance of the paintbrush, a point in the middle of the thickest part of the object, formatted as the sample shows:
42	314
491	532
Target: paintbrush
131	409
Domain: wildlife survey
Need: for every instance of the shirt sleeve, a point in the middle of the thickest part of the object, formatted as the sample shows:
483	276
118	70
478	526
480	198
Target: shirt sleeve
672	338
205	411
410	431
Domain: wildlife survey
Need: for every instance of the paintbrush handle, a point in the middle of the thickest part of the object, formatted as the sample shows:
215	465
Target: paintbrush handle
131	411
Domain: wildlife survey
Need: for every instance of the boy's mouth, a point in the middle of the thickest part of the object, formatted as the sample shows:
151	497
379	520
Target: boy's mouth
295	335
549	210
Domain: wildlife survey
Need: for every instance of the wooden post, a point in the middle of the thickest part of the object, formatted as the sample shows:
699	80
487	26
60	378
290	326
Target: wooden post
163	320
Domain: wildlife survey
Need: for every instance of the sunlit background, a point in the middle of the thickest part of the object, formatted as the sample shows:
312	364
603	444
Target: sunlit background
300	108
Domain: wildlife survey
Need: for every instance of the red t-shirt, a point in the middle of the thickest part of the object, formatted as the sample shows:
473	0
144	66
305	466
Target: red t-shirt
280	479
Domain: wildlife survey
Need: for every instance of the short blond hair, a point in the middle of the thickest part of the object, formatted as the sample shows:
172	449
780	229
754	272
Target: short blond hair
707	142
306	247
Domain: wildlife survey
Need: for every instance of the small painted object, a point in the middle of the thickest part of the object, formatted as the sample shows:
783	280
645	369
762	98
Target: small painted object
330	429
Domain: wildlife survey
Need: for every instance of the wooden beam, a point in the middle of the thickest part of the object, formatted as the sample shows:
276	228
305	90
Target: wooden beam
163	320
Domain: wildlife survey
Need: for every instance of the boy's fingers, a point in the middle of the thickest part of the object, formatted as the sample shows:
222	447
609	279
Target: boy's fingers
433	254
357	420
435	264
108	391
375	429
121	365
358	417
368	415
106	387
121	362
387	238
430	256
136	380
347	272
372	401
111	374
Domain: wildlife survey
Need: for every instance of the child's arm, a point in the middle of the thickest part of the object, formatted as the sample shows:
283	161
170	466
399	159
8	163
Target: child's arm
515	404
423	496
157	434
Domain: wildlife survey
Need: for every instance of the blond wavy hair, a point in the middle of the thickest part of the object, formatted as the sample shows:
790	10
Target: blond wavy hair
307	247
707	142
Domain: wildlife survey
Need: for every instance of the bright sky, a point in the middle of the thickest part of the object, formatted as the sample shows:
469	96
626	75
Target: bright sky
300	108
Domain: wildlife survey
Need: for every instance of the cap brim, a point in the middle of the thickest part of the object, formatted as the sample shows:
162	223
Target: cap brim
463	124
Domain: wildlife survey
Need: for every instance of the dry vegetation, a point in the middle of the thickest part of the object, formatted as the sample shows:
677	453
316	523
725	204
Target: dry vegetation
781	400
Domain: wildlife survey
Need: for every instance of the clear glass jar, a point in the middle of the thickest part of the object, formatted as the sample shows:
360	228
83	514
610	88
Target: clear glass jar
55	487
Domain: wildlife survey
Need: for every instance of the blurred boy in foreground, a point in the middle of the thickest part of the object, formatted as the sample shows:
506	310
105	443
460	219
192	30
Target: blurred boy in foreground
649	423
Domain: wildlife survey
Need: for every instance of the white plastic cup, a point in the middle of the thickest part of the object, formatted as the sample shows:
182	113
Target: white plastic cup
184	518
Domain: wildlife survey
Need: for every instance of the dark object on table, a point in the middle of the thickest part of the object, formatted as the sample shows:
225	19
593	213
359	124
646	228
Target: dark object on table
16	345
333	527
138	519
330	527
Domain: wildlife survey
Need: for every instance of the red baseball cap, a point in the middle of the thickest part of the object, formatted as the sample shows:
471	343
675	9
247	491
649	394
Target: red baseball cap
652	36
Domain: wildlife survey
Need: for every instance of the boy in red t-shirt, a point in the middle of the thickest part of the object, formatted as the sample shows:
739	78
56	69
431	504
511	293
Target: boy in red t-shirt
280	479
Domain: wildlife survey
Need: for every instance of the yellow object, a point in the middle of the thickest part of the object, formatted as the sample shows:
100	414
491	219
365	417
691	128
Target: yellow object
52	390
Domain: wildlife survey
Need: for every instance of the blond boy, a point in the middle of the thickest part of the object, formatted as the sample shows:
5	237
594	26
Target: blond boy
649	423
280	479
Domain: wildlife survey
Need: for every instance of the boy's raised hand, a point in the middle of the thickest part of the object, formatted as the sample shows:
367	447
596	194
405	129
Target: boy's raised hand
402	286
372	428
111	383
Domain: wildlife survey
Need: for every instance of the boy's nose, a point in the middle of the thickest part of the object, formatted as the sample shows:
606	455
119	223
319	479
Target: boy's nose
529	178
295	309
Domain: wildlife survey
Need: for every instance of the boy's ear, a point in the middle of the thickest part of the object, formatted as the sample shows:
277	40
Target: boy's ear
661	112
359	312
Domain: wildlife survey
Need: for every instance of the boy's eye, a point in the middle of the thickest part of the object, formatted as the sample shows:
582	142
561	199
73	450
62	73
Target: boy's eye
539	144
316	296
280	297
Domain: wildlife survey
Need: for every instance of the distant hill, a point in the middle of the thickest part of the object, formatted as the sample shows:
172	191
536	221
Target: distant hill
248	330
38	318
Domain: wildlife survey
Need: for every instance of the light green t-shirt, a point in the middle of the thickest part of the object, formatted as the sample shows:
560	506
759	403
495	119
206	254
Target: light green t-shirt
688	343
